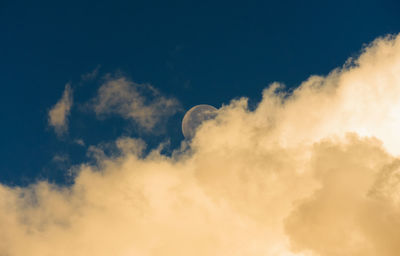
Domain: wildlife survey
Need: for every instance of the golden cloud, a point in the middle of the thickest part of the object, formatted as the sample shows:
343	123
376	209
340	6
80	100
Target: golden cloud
315	172
139	102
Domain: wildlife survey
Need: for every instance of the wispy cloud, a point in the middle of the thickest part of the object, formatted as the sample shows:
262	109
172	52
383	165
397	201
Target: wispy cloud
141	103
58	114
80	142
90	75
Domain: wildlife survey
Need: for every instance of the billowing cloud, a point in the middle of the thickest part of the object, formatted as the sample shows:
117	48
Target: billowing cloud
58	114
139	102
312	173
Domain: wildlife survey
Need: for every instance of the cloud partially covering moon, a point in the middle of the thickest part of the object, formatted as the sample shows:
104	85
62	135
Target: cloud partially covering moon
312	173
195	117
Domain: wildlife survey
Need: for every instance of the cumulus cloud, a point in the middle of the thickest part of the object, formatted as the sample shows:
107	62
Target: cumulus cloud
312	173
58	114
139	102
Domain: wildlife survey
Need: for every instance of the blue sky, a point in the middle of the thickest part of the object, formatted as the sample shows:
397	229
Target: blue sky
197	52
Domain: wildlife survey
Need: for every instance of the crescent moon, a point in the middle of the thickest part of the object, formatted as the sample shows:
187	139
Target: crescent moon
195	117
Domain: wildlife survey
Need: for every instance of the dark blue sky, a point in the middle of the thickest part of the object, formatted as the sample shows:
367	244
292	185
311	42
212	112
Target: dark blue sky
199	52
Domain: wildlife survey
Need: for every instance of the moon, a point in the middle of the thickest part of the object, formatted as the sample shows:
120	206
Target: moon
195	117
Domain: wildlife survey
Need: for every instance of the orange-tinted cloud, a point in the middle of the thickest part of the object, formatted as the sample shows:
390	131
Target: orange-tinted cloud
312	173
141	103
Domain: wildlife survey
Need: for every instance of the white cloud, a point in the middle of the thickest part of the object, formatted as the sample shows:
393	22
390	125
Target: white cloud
314	173
58	114
139	102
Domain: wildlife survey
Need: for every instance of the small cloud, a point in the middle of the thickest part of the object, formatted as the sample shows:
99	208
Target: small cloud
139	102
58	115
60	161
79	142
60	158
91	75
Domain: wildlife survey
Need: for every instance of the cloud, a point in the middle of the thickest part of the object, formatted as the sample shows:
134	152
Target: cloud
139	102
311	173
80	142
58	114
90	75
